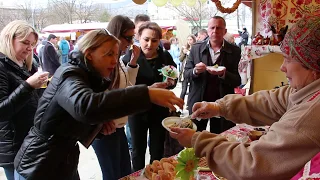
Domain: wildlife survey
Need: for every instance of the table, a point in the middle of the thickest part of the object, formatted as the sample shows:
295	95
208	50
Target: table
236	133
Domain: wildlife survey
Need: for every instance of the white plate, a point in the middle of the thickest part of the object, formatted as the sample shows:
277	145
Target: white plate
213	68
169	121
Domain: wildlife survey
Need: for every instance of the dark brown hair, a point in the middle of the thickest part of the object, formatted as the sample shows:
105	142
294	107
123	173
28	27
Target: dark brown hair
119	25
153	26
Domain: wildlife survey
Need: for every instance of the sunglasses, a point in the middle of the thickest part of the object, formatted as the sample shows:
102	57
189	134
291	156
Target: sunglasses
128	38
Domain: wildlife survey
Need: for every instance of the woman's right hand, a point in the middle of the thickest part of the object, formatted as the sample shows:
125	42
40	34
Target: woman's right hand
135	55
205	110
165	98
38	79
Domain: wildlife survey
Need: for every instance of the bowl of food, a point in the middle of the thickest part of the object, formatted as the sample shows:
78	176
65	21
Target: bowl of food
178	122
216	68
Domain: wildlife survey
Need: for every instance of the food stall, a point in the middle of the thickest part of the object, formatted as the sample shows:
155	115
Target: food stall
259	64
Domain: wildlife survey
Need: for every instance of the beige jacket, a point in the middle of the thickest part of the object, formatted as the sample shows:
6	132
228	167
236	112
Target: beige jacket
127	78
293	138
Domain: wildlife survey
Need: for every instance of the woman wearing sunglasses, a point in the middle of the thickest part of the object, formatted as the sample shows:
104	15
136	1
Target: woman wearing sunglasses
115	162
75	103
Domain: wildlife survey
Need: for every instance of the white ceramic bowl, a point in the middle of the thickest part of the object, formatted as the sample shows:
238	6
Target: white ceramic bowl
213	68
169	121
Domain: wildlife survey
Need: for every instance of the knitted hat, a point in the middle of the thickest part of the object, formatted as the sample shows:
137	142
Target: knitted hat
302	42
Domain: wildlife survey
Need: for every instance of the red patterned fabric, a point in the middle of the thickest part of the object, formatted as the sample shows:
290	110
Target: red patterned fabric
302	42
282	12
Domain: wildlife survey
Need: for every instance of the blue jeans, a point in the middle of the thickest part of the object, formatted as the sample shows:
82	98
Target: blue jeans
17	176
113	155
64	58
128	134
9	171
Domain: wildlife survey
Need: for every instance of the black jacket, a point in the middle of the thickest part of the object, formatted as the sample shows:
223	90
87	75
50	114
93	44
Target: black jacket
230	55
69	109
18	104
50	59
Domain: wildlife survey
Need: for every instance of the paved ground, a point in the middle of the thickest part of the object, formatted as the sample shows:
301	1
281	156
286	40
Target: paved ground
88	165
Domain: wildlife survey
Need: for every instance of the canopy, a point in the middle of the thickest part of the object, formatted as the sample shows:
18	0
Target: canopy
62	28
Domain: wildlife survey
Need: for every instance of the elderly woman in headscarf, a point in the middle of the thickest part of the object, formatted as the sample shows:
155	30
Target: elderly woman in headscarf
292	112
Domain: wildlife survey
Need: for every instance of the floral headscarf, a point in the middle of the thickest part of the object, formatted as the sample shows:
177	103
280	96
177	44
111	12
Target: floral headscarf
302	42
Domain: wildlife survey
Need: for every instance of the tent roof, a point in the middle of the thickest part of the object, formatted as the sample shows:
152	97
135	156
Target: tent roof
63	28
60	28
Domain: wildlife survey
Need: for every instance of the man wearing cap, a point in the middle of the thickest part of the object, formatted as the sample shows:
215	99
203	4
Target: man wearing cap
50	57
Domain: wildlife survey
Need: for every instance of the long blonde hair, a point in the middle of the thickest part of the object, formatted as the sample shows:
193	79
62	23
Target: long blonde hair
16	29
93	40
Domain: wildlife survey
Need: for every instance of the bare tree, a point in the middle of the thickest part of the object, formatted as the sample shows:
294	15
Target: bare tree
86	11
26	10
195	15
63	10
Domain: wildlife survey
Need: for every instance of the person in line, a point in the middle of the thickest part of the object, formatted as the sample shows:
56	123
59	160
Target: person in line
74	106
244	37
208	84
229	38
185	51
50	58
175	51
18	89
202	35
292	112
64	47
138	21
151	59
115	162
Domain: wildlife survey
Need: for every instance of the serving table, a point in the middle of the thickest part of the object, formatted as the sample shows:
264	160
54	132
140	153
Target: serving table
237	133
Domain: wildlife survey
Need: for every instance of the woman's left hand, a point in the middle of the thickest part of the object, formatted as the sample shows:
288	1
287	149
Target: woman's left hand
135	55
162	85
183	135
108	128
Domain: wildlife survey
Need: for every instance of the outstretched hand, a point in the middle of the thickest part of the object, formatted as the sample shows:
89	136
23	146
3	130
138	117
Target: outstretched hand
183	135
108	128
165	98
205	110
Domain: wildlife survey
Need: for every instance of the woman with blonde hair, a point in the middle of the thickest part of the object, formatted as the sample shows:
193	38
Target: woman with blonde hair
115	162
185	50
18	94
74	106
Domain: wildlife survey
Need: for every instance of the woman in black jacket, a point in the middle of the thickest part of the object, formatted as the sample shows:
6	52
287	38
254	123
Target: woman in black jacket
74	106
18	97
151	59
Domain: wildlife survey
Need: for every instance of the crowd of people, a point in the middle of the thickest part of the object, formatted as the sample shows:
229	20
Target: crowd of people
106	91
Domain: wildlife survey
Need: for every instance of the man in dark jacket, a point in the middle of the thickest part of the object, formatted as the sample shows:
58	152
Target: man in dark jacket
210	84
244	37
50	57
